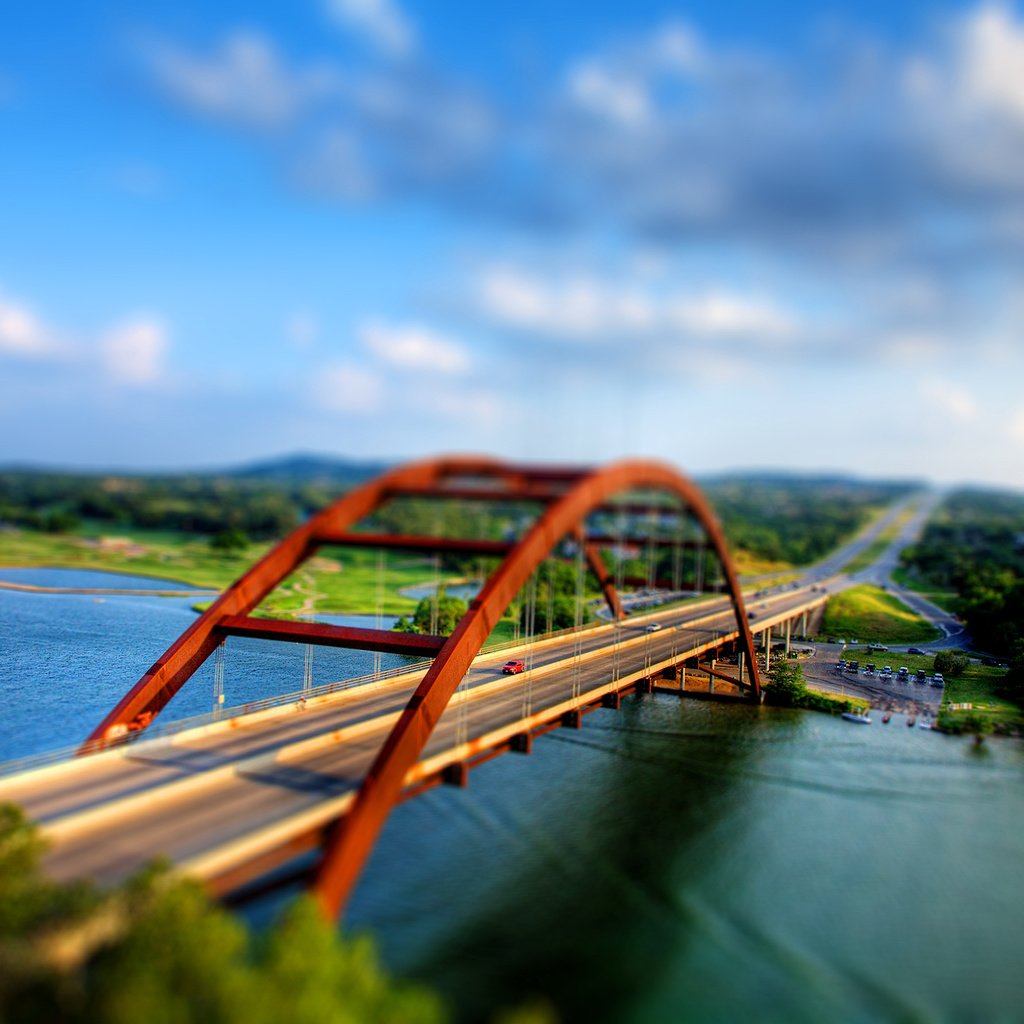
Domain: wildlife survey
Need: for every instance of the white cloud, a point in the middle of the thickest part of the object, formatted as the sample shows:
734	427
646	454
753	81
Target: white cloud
379	21
598	89
950	398
344	387
245	81
414	347
620	85
22	333
1015	427
584	308
991	67
134	352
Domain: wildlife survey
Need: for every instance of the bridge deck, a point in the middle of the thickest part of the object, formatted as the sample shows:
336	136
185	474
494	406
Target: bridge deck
226	800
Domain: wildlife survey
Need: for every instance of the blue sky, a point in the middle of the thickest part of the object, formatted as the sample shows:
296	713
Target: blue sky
725	234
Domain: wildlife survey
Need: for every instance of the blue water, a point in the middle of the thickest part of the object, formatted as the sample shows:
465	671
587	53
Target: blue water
67	659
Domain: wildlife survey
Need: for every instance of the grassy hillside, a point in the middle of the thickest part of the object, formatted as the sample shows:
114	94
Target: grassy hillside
871	614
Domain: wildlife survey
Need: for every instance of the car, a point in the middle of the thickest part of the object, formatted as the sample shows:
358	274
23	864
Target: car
869	669
937	680
914	650
513	667
903	673
653	627
920	676
877	647
852	666
751	615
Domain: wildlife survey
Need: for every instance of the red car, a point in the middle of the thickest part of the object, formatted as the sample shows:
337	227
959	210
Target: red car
513	667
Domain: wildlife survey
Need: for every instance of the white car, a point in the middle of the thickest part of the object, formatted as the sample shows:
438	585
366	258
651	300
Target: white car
654	627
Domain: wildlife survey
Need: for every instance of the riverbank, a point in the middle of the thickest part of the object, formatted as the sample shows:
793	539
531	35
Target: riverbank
345	584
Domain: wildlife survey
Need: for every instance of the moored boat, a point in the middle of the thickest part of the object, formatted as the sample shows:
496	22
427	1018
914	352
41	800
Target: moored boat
855	716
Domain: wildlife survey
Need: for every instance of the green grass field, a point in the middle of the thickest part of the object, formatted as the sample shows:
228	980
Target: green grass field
978	686
946	599
346	584
873	615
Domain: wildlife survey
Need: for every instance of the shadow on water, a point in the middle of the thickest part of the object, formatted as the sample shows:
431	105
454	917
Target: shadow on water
562	878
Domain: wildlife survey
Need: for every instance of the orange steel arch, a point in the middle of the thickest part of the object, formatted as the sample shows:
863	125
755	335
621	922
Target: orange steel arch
354	835
569	495
167	675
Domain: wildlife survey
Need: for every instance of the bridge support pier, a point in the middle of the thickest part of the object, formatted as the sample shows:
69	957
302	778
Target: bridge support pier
789	629
457	775
521	743
644	686
611	700
572	720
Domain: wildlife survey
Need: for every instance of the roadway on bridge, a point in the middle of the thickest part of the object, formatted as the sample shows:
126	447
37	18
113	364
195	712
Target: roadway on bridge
229	791
191	796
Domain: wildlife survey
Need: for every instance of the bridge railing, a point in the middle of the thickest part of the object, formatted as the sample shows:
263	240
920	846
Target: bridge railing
167	729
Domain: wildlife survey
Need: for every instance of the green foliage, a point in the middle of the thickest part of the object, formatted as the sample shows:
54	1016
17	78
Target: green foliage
57	502
448	609
175	958
974	545
950	663
874	615
556	597
973	722
793	520
229	541
785	685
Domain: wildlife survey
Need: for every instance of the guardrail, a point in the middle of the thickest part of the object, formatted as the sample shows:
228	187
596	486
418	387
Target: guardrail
165	730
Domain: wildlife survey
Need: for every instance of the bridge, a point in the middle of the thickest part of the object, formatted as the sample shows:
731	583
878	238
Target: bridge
262	796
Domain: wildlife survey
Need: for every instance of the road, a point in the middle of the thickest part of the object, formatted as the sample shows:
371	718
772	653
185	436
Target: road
228	792
201	796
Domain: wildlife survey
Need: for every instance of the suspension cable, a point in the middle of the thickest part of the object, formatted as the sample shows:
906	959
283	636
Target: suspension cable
218	678
378	657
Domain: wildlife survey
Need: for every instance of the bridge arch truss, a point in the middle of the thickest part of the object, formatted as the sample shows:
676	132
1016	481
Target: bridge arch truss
566	496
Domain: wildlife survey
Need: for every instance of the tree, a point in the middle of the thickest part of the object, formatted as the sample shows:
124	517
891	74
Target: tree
173	956
950	663
785	685
449	611
228	542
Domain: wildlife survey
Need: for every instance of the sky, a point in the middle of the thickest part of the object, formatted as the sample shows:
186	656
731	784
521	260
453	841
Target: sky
729	235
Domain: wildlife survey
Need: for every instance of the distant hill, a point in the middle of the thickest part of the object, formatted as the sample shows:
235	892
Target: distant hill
304	468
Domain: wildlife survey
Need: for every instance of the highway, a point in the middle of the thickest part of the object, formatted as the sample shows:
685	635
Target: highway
226	793
202	795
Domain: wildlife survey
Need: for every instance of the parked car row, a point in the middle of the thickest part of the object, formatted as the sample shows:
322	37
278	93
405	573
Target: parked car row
886	674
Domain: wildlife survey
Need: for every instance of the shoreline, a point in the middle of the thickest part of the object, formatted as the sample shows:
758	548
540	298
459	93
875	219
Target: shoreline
31	588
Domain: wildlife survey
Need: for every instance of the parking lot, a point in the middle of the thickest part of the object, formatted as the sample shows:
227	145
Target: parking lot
889	693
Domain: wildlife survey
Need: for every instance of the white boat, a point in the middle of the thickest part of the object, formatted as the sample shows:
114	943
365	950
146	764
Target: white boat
860	719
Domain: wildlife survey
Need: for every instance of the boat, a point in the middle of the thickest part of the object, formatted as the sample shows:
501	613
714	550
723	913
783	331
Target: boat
925	725
911	721
886	717
855	716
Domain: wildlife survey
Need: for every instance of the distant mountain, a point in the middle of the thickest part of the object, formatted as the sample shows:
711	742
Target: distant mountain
305	468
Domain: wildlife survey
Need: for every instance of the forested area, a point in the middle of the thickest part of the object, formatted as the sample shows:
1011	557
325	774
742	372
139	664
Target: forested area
975	546
157	949
782	519
795	519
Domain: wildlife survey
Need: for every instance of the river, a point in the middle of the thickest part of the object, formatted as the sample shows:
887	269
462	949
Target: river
672	861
